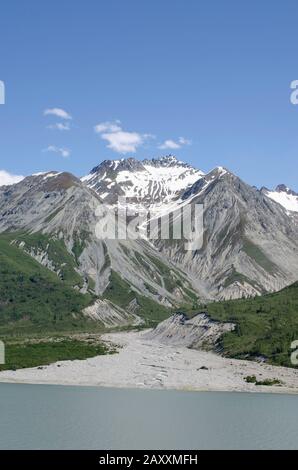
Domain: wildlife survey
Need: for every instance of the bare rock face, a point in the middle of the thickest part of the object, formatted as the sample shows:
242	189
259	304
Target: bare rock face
61	209
111	315
250	242
198	332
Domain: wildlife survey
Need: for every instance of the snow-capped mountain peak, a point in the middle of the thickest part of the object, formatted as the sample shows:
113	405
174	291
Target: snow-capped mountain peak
159	180
284	196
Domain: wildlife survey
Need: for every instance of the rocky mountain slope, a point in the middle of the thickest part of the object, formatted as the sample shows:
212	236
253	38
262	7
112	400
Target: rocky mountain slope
150	182
198	332
53	216
249	242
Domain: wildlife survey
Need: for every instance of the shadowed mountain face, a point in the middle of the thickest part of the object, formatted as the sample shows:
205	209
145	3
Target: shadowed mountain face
249	243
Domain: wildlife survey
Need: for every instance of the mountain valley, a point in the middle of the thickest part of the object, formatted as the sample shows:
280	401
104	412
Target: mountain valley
58	276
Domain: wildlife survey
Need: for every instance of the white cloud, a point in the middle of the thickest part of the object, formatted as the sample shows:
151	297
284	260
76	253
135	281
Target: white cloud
8	179
60	126
172	144
64	152
119	140
123	142
169	144
184	141
107	127
58	112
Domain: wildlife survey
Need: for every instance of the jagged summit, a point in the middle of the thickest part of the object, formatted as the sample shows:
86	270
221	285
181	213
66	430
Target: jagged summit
130	164
249	243
284	196
166	161
133	164
148	182
282	188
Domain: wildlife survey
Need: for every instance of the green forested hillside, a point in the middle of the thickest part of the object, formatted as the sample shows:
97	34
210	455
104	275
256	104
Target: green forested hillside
35	300
265	326
120	293
32	297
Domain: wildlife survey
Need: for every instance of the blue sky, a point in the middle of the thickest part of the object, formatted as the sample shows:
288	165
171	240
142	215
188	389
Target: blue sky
212	77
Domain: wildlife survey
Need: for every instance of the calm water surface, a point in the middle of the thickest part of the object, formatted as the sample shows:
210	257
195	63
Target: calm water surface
59	417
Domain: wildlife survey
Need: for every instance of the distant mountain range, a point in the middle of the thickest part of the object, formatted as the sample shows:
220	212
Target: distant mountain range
250	243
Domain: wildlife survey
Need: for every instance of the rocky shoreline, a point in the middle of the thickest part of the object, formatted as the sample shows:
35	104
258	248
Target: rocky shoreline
147	363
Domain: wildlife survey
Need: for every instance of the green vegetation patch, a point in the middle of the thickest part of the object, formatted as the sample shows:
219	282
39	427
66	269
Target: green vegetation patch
63	262
80	242
33	354
235	276
254	252
169	281
120	293
265	326
32	297
251	379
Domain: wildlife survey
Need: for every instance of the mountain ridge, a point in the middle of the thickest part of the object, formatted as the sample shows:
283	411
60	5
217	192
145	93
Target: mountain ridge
249	247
